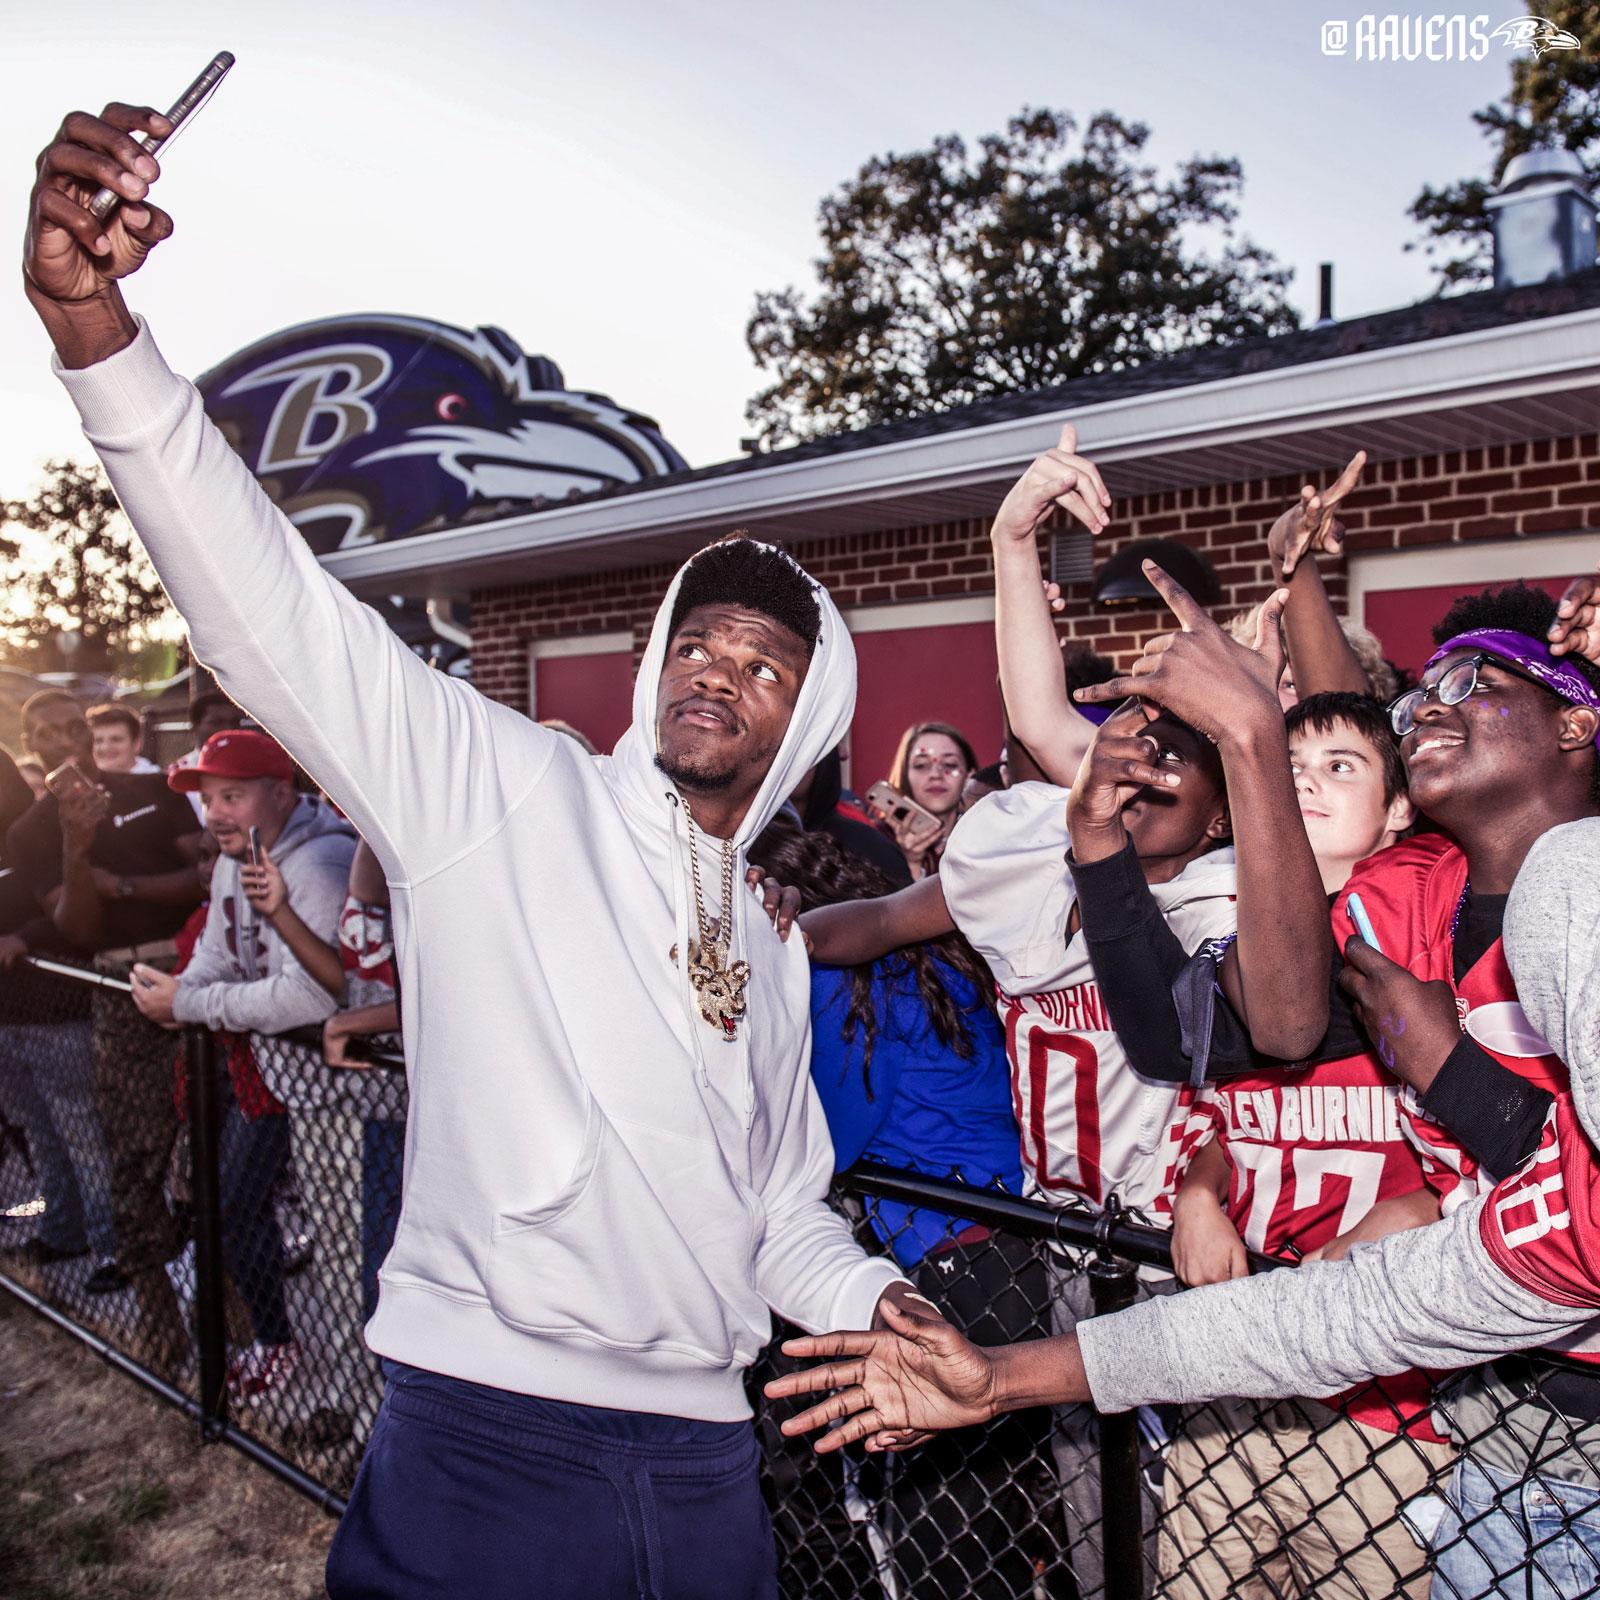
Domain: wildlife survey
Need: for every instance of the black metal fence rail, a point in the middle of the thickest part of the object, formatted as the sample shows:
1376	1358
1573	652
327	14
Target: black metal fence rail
233	1277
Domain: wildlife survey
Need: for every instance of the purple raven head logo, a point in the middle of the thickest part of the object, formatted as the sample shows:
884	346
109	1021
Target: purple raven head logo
1535	34
375	427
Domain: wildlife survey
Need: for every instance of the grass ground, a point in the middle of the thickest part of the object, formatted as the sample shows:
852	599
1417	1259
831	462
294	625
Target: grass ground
105	1492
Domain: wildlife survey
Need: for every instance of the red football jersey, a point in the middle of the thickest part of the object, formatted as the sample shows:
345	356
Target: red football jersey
1541	1226
1412	892
1309	1155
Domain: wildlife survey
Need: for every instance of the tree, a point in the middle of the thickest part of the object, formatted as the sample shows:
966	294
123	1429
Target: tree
1553	103
948	276
83	570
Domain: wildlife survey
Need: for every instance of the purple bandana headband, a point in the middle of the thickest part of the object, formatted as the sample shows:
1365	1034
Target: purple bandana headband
1529	655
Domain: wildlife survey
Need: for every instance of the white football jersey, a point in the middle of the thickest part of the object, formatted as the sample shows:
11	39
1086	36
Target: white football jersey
1090	1124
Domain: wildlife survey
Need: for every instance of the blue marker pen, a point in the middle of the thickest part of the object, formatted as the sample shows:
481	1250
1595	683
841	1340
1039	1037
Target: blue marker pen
1358	915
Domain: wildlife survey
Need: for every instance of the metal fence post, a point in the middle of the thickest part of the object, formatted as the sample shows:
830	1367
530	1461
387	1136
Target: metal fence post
211	1333
1112	1285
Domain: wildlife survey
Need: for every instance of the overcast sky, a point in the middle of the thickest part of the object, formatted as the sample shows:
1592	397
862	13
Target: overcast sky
613	182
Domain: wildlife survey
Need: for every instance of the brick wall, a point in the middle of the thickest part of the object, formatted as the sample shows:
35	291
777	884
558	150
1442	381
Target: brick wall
1497	492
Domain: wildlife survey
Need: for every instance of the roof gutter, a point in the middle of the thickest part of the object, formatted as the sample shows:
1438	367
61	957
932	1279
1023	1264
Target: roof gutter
1512	361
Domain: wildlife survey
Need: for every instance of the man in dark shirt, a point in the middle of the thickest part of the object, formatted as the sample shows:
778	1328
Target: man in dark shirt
46	1085
112	863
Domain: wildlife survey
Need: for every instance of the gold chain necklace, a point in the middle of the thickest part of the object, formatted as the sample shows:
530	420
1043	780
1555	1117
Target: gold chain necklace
718	986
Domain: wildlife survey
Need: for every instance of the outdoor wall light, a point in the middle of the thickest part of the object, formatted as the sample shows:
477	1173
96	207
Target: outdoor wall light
1121	581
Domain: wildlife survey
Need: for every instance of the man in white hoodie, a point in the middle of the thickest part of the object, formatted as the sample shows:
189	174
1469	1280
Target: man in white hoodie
615	1161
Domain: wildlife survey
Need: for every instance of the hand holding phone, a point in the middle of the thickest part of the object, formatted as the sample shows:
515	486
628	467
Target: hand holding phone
1358	915
887	803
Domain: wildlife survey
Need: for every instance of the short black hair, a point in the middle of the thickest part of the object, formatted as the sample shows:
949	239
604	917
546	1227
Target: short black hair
1515	608
741	571
1321	713
36	702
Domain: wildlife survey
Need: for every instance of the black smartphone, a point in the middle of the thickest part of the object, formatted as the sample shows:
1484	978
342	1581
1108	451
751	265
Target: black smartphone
253	847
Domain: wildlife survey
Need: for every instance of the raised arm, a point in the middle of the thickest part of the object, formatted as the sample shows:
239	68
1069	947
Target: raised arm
320	671
1038	709
1320	657
1228	693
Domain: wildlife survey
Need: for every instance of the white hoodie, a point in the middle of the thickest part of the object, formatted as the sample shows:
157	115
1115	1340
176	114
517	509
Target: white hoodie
602	1197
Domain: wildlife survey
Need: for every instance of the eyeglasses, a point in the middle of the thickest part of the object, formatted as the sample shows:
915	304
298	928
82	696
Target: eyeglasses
1452	686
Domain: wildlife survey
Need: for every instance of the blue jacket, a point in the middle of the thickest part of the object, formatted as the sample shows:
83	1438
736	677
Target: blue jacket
929	1108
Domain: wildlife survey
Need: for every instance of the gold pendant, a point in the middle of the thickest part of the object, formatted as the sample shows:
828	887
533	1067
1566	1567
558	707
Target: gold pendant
719	990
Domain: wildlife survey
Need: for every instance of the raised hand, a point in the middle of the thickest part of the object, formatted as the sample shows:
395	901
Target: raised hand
1122	759
1060	477
69	254
264	887
918	1374
1576	630
1310	525
1199	674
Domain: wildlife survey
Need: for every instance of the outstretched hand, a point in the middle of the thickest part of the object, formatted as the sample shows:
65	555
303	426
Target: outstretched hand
1060	477
1198	673
918	1374
1309	525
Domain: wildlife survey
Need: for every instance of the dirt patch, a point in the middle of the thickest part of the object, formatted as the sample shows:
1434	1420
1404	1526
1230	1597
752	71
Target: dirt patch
105	1491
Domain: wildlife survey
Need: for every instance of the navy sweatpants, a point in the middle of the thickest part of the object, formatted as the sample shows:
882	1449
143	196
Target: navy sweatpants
476	1492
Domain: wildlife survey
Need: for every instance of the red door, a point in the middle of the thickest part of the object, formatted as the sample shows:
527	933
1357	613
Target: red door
592	692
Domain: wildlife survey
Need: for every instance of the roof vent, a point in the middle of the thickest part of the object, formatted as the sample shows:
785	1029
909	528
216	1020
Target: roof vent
1544	220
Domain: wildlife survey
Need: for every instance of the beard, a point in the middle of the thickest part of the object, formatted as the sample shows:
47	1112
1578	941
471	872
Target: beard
695	777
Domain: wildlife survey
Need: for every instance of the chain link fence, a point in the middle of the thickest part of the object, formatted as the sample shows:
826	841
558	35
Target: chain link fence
209	1213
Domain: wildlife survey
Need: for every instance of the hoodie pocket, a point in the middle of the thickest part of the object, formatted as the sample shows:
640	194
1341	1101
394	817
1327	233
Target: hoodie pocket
602	1261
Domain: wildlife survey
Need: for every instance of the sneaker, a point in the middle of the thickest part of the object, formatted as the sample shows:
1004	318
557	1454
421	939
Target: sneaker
107	1278
261	1368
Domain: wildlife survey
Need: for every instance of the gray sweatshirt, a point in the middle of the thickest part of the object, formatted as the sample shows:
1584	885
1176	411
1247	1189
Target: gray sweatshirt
243	977
1429	1297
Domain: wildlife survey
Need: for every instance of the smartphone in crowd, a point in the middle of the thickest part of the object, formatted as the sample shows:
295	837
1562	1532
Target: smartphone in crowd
253	847
66	782
886	803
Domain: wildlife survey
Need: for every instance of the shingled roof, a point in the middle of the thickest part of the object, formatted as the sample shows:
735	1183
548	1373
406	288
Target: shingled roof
1413	324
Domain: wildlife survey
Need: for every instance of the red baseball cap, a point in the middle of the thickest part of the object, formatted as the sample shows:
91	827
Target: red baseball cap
238	753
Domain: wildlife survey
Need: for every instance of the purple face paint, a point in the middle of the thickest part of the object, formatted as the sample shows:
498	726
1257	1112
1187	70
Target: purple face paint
1532	656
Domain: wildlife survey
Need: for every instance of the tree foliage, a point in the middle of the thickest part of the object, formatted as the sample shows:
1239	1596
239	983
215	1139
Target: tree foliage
1553	103
85	571
950	274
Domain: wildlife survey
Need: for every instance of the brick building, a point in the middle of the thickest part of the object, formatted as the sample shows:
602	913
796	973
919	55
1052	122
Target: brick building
1481	416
